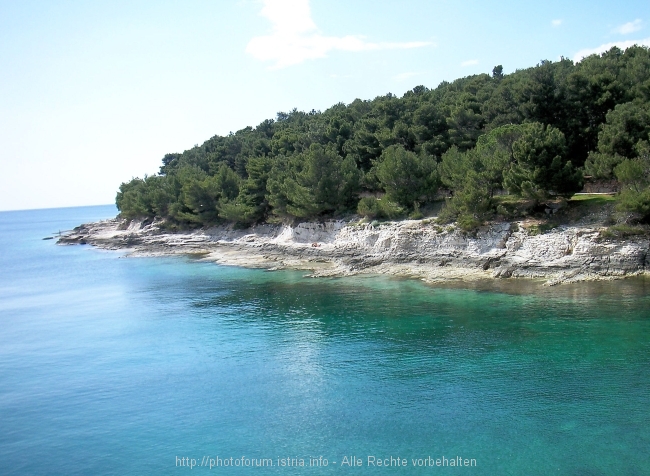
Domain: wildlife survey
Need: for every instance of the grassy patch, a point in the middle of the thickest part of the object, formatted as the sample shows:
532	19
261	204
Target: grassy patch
624	231
511	206
593	199
592	207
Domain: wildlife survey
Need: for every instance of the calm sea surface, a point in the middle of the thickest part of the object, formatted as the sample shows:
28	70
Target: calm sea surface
113	365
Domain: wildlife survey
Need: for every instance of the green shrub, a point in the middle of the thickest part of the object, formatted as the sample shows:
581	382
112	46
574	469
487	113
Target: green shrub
416	214
468	223
540	229
390	210
368	207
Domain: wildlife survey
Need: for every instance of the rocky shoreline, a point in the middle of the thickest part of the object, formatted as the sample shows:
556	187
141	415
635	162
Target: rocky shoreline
411	248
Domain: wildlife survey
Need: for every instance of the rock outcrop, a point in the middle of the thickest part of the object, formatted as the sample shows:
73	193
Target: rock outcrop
416	248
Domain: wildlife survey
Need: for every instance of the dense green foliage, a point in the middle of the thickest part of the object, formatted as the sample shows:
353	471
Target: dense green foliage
634	175
531	133
406	177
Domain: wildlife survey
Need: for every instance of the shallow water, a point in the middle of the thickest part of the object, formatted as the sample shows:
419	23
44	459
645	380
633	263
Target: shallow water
121	366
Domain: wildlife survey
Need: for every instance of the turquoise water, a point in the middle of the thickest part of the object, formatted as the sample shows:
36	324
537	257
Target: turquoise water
110	365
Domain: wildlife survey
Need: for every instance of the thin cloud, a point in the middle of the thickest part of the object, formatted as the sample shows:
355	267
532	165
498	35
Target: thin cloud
471	62
629	27
295	37
608	46
556	23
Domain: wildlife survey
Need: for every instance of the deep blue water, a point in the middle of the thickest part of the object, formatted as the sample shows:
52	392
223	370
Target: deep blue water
113	365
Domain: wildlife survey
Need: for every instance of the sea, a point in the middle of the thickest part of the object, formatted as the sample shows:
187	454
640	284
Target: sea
112	365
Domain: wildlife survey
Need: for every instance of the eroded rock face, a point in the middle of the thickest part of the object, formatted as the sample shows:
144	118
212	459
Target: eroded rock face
410	247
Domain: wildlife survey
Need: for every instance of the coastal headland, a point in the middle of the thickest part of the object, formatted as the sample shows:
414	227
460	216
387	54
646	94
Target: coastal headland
409	248
543	174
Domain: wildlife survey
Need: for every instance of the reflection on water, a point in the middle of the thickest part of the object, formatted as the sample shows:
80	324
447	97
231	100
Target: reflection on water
116	366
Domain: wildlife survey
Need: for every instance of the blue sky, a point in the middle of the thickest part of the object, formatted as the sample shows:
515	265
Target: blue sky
94	93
